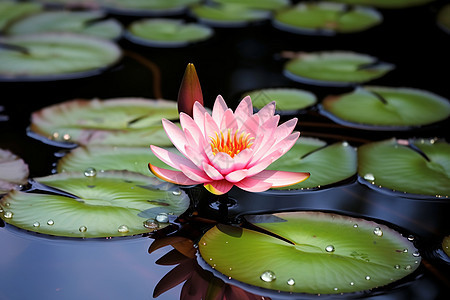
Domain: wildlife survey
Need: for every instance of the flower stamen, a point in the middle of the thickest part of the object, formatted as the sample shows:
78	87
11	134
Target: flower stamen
232	143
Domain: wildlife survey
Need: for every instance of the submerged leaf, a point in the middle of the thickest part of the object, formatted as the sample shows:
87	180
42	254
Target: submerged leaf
122	121
94	204
416	166
320	253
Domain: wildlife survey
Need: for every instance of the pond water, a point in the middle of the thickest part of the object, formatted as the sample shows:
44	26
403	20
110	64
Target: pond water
234	61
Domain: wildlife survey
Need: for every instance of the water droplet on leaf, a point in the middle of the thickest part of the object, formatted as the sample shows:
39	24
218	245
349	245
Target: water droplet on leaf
377	231
82	229
416	254
90	172
177	193
8	214
162	218
268	276
123	229
50	222
151	224
369	177
367	277
329	248
291	281
36	224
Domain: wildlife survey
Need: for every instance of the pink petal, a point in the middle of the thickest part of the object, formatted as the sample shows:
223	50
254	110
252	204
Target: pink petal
264	163
219	109
171	176
285	129
253	185
236	176
266	137
195	174
242	159
228	121
218	187
243	110
223	163
211	128
188	124
199	116
170	158
251	125
211	171
281	178
267	111
195	156
175	134
284	145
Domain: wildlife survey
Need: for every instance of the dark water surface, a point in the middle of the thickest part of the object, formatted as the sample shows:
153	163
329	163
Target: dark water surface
236	60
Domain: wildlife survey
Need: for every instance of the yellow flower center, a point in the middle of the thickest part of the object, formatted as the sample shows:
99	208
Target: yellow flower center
232	143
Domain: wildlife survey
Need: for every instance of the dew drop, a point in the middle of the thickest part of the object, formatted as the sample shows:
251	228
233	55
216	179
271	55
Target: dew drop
162	218
410	238
369	177
290	281
8	214
355	225
90	172
268	276
344	143
177	193
329	248
50	222
55	135
367	277
36	224
151	224
66	137
377	231
335	289
416	254
405	250
352	283
123	229
82	229
397	267
408	267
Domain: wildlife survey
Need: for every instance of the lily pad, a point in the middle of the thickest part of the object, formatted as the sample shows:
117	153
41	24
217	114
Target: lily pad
257	4
90	204
327	164
53	56
134	159
386	108
288	100
11	11
325	18
228	15
386	3
13	171
417	167
310	252
147	8
443	18
166	33
122	121
335	68
83	22
446	245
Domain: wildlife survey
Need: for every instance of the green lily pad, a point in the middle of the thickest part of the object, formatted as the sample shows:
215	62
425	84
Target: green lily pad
146	7
83	22
11	11
319	253
72	4
53	56
420	167
325	18
118	122
228	15
335	68
443	18
134	159
327	164
386	108
166	33
386	3
257	4
288	100
102	204
446	245
13	171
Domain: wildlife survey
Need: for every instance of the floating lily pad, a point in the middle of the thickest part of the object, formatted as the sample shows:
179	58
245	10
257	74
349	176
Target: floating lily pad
386	108
335	68
327	164
167	33
13	171
53	56
72	4
122	121
134	159
419	166
11	11
288	100
446	245
386	3
83	22
228	15
102	204
257	4
148	8
319	253
325	18
443	18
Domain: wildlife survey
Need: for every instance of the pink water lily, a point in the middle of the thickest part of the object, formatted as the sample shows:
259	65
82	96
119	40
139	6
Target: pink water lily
228	148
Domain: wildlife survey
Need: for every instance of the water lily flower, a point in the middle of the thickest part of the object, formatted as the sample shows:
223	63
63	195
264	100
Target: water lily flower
227	148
